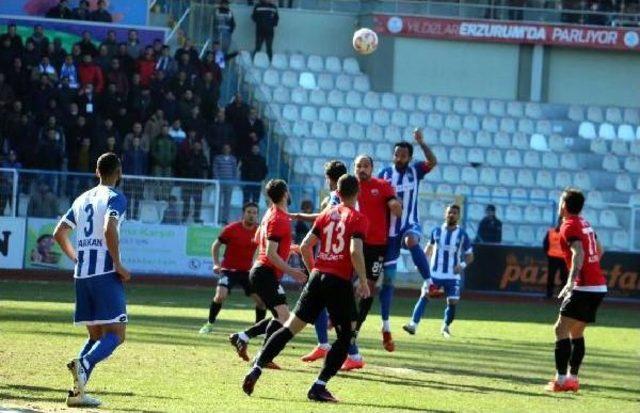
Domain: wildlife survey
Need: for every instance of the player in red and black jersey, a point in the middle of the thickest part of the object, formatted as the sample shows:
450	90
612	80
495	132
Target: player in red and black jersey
240	247
339	231
274	245
583	293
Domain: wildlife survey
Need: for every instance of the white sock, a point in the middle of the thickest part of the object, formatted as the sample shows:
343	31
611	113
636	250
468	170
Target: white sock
321	383
560	378
243	337
412	324
324	346
386	326
355	357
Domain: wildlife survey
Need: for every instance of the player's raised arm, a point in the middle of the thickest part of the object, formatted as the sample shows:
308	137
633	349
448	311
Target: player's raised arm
431	159
61	235
306	249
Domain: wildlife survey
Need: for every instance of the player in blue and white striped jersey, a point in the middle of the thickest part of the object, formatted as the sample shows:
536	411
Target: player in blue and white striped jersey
99	273
404	231
450	252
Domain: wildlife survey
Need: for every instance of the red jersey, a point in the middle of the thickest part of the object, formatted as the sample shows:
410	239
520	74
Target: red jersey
335	228
240	246
373	201
590	278
275	226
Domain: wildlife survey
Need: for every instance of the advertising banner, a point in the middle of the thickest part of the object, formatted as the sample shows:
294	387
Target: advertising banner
11	242
41	251
524	270
122	11
609	38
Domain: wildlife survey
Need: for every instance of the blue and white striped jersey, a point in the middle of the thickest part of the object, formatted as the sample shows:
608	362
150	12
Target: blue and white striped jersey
334	199
88	213
406	184
451	246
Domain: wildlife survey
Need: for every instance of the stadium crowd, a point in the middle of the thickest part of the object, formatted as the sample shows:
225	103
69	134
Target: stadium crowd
60	109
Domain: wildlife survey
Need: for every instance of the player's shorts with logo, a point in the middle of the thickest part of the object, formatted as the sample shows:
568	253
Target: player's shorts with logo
396	243
582	305
100	300
330	292
373	260
230	279
265	284
451	287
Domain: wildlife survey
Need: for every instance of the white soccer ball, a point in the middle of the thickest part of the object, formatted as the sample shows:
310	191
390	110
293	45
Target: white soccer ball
365	41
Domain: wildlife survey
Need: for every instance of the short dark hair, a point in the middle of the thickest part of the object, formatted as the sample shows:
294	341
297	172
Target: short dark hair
454	206
335	169
490	207
573	200
108	164
348	186
406	145
249	205
276	189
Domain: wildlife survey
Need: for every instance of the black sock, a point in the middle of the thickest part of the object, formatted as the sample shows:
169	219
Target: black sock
261	313
214	309
274	345
274	325
563	352
258	328
364	308
338	352
577	354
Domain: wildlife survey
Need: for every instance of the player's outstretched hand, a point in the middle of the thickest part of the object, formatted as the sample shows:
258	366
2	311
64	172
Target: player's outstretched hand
297	275
362	290
122	272
566	291
417	135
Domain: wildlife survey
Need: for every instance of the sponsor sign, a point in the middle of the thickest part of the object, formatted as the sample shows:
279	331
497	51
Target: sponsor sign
11	242
524	270
610	38
122	11
41	250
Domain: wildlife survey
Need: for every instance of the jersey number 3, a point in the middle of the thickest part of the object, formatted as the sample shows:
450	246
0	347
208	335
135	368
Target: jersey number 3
330	245
88	229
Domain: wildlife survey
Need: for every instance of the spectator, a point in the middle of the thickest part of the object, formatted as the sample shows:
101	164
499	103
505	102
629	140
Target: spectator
302	228
23	139
18	77
187	48
7	54
134	162
195	166
6	180
253	168
103	60
117	76
50	153
195	122
69	71
209	94
265	16
85	156
176	132
136	132
56	52
237	112
111	43
163	153
180	84
157	47
171	216
110	145
224	25
41	95
555	258
127	63
90	73
490	228
154	125
86	45
210	66
6	93
88	102
133	45
112	101
166	62
146	66
101	14
43	203
40	41
107	130
82	11
186	104
15	40
31	56
187	65
170	106
220	133
220	57
60	11
225	169
250	133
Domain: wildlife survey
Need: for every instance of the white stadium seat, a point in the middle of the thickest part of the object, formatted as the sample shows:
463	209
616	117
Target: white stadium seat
356	132
544	179
497	108
507	125
347	149
374	133
336	98
333	64
271	78
515	109
381	117
327	114
587	130
281	95
309	113
417	120
625	132
466	138
632	164
550	160
512	158
461	106
519	196
490	124
441	153
502	140
598	146
399	118
443	104
329	148
435	120
481	192
608	219
310	147
624	183
557	143
483	139
447	137
297	62
632	116
620	239
361	83
509	234
471	122
351	66
507	177
345	115
494	158
261	60
451	174
279	61
325	81
469	175
425	103
407	102
389	101
290	112
606	131
594	114
531	159
613	115
538	142
583	181
563	179
444	189
365	147
392	134
383	151
533	110
319	130
569	161
464	190
520	141
525	178
293	146
343	83
526	235
353	99
526	126
610	163
476	212
371	100
544	127
575	113
315	63
479	107
307	80
337	130
634	147
457	156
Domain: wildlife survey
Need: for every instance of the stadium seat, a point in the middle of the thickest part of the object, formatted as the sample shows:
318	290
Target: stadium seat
345	115
457	156
509	234
307	80
587	130
610	163
632	116
444	189
526	235
563	179
606	131
261	60
533	214
598	146
466	138
490	124
374	133
526	126
620	240
461	106
632	164
302	166
351	66
383	151
634	199
280	61
309	113
293	146
550	160
519	196
525	178
319	130
533	110
329	148
443	104
365	147
263	94
290	113
389	101
488	176
512	158
475	212
407	102
310	147
507	125
281	95
299	96
483	139
333	64
471	123
363	117
544	179
336	98
338	130
634	147
343	83
315	63
371	100
435	120
624	183
507	177
594	114
436	209
244	59
356	132
625	132
347	149
613	115
451	174
494	158
447	137
479	107
569	161
271	78
595	199
619	147
638	133
392	134
531	159
520	141
361	83
353	99
327	114
575	113
325	81
399	118
317	167
482	193
544	127
538	142
441	153
497	108
608	219
469	175
557	143
425	103
583	181
297	62
515	109
417	120
464	190
381	117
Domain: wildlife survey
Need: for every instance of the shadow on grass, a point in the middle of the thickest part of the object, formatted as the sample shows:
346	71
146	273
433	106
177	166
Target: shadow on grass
393	407
27	388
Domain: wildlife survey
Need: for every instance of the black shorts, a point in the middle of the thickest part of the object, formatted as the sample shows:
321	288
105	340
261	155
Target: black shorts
374	260
330	292
230	279
266	285
581	305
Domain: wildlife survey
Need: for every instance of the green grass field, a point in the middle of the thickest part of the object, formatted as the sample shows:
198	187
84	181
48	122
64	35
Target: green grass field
499	359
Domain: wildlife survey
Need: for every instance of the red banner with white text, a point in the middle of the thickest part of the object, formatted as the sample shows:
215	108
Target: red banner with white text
509	32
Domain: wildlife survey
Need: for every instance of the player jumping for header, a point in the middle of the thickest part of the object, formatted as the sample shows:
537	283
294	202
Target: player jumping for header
99	273
339	231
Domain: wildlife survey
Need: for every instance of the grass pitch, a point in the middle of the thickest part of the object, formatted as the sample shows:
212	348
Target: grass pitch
498	360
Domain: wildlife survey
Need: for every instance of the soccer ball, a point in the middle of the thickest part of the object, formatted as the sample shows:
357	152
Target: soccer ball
365	41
